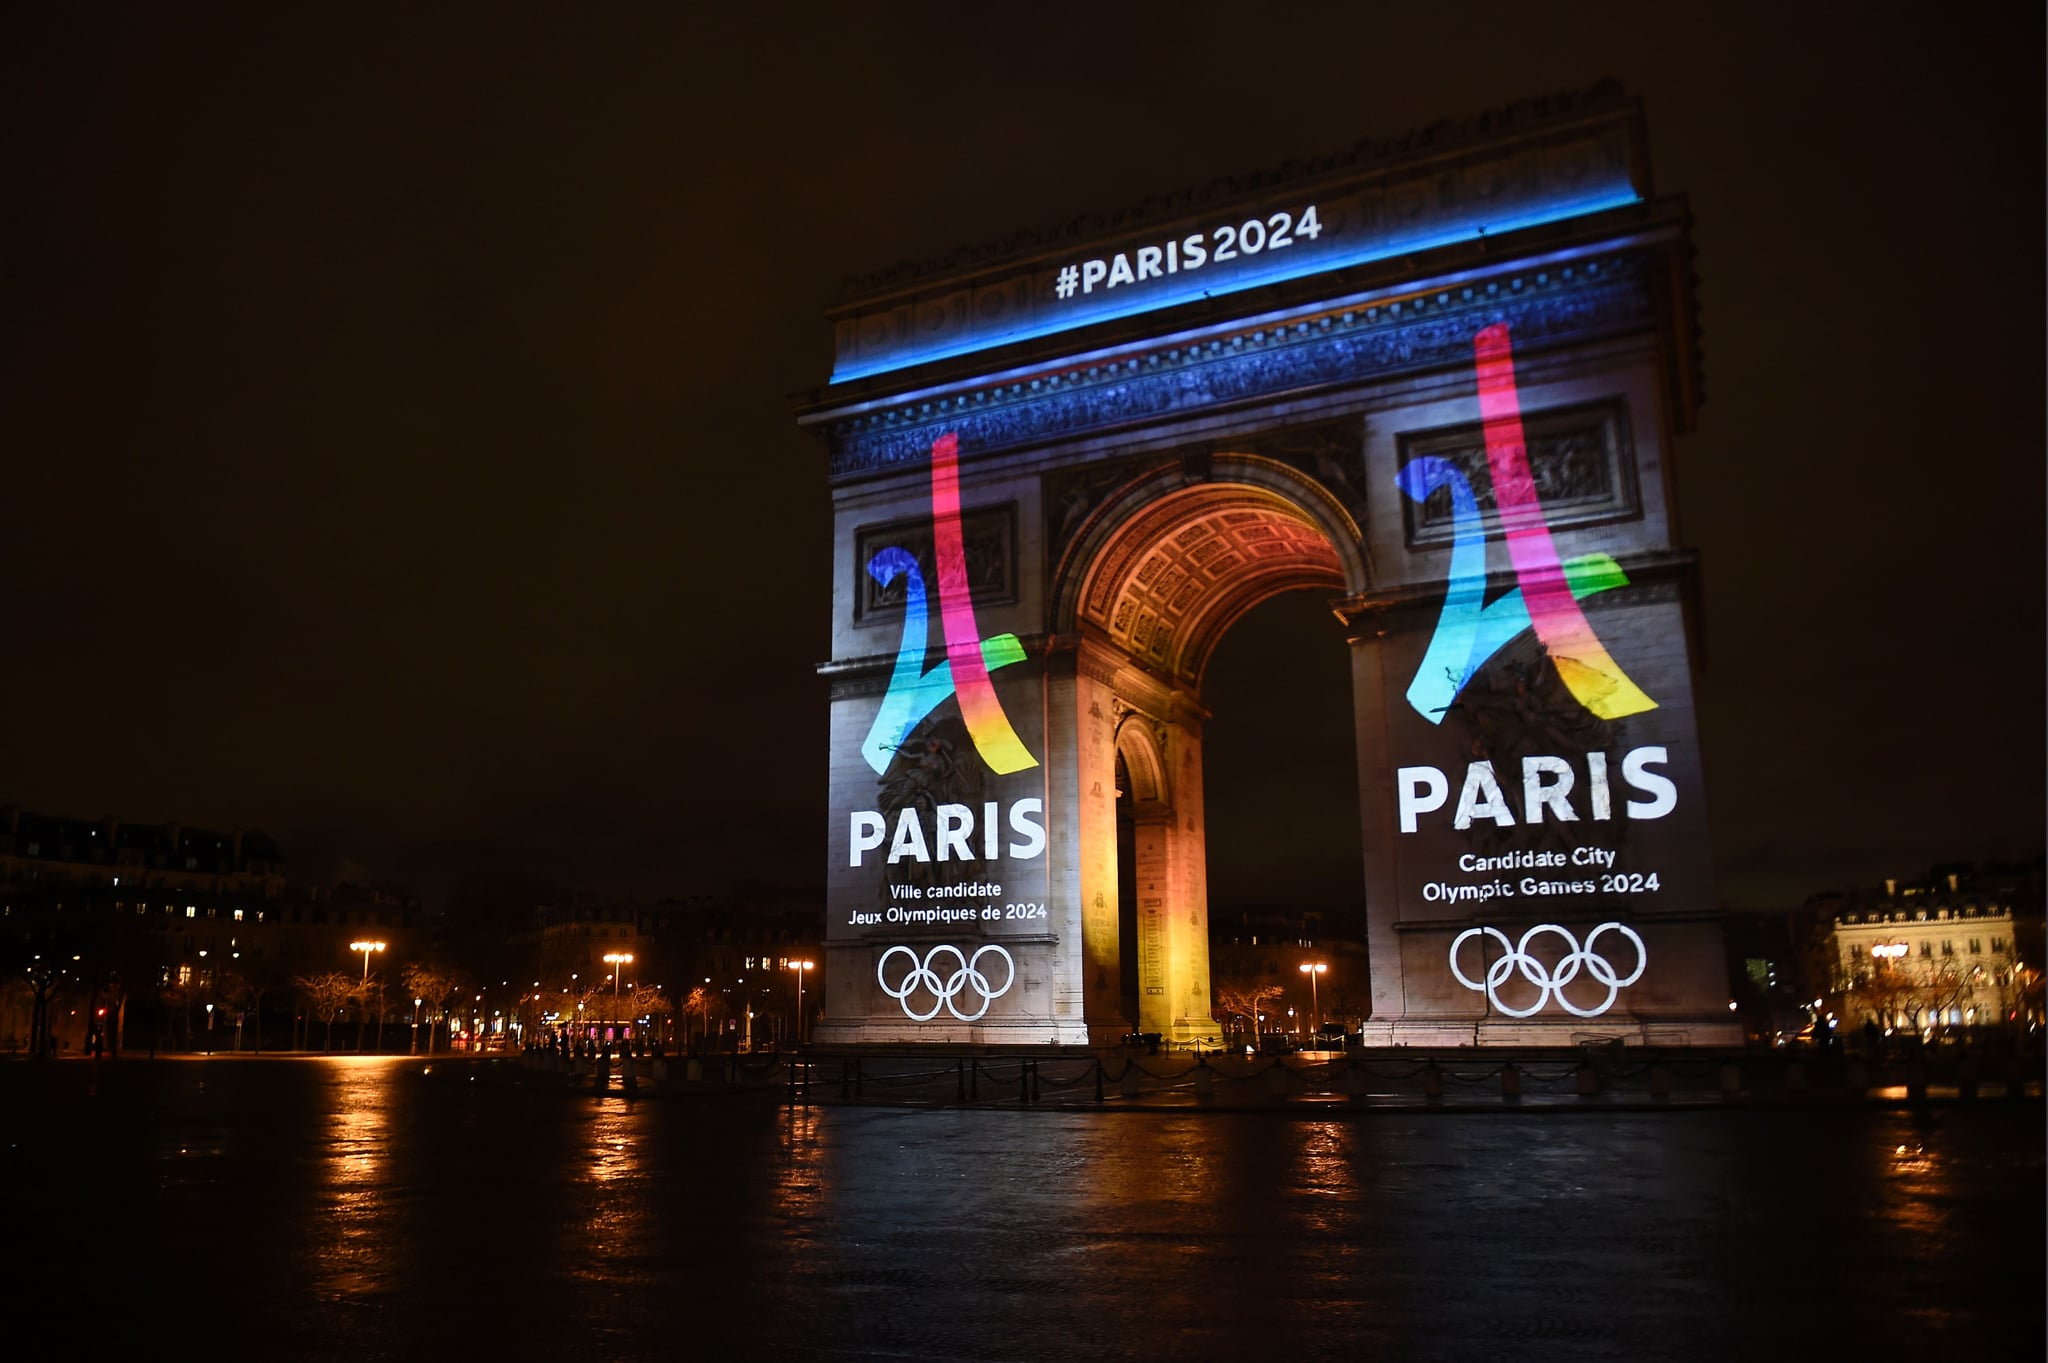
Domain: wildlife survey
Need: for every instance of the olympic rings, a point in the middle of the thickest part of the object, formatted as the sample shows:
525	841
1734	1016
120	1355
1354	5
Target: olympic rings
921	975
1550	983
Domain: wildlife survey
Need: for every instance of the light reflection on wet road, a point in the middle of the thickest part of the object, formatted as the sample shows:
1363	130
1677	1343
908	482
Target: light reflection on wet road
361	1210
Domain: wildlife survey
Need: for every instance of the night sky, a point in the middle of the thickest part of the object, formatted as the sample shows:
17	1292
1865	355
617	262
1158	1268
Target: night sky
400	454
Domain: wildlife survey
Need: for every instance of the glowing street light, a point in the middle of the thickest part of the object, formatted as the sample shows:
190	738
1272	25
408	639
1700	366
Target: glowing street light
366	948
615	959
800	967
1313	969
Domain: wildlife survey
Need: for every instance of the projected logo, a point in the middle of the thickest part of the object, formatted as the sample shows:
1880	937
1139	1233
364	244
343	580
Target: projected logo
922	982
1548	980
913	692
1469	630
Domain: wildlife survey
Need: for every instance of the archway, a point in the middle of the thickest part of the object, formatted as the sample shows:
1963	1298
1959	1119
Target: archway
1149	585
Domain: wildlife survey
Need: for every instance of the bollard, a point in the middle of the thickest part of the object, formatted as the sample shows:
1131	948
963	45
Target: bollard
1510	1083
1660	1083
1916	1081
1857	1077
1205	1080
1023	1082
974	1079
1432	1083
1966	1077
693	1069
845	1080
1098	1081
1276	1079
2015	1078
1795	1077
1589	1081
1034	1081
959	1081
858	1076
629	1077
1731	1079
1131	1081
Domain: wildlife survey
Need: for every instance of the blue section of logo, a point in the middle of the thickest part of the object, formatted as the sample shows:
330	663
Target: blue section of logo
1469	629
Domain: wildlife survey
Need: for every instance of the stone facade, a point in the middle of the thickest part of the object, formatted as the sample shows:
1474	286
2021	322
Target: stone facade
1125	491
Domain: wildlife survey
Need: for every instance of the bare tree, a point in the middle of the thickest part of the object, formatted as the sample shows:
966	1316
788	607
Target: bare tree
434	987
326	995
1244	997
647	1001
706	1006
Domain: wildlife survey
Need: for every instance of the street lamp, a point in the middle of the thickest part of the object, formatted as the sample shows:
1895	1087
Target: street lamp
615	959
366	948
800	967
1313	969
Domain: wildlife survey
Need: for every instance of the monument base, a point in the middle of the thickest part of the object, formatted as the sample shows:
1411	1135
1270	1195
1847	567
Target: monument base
1695	1031
1003	1034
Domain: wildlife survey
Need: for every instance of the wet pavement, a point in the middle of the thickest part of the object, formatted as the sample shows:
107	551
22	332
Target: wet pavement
363	1210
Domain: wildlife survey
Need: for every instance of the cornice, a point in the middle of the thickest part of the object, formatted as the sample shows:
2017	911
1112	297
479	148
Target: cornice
1597	296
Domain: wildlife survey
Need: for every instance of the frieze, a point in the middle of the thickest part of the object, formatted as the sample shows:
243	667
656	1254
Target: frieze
1580	459
1410	336
988	539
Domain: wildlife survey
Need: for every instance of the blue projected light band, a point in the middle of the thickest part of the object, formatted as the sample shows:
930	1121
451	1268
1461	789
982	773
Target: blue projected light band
1051	317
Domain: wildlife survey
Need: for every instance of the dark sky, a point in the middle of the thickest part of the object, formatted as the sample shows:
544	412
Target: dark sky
399	454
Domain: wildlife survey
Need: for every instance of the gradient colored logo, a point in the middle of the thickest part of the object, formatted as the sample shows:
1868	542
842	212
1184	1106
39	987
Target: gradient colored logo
913	692
1469	630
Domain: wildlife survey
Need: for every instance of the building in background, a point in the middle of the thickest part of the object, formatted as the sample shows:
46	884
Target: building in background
1959	952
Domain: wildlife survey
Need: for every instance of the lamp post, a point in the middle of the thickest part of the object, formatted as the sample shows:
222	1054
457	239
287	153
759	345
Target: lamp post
1887	954
800	967
616	959
366	948
1313	969
416	1025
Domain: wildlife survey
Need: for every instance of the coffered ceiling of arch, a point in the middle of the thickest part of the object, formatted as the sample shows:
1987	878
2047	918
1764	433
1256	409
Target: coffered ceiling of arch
1174	579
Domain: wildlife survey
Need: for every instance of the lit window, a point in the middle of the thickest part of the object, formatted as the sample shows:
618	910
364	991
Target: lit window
191	910
238	915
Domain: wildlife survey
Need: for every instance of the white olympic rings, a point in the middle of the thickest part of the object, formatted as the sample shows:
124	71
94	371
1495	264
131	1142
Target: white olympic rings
921	975
1550	983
